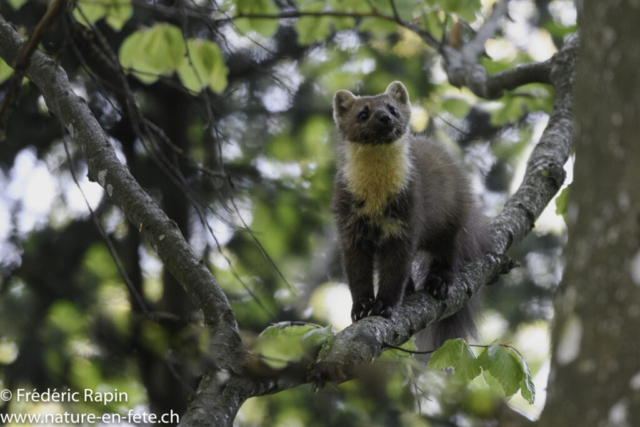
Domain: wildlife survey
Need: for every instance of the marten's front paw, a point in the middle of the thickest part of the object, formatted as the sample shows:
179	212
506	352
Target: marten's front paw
436	286
382	309
361	308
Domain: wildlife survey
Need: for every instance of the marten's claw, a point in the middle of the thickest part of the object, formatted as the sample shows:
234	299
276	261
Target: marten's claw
436	287
381	309
361	308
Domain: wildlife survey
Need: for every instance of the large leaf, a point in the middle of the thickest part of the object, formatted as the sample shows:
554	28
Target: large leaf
504	367
527	388
265	27
456	354
203	67
153	52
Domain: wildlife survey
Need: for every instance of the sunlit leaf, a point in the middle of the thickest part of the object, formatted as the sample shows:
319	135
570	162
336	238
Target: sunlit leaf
115	12
65	316
433	22
562	202
152	52
504	367
456	353
456	106
265	27
5	71
87	12
527	388
203	67
118	13
16	4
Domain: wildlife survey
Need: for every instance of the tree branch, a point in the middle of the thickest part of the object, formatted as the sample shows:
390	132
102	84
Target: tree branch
364	340
463	69
105	168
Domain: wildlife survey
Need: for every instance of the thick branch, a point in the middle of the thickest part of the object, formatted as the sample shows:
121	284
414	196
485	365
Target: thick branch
463	69
545	174
364	340
105	168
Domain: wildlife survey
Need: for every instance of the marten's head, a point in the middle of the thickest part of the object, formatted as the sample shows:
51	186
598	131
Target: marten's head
379	119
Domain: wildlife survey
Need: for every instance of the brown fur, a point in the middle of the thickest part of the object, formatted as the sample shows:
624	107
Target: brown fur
396	194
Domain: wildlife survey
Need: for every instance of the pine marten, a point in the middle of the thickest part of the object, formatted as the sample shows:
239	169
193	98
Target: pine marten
396	194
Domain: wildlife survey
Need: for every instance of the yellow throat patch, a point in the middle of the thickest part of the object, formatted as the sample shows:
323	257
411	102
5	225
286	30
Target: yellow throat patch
374	173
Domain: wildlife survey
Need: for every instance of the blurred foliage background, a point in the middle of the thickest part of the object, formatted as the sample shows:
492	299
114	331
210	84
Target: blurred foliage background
243	160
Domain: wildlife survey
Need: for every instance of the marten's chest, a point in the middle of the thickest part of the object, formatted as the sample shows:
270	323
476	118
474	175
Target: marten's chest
375	174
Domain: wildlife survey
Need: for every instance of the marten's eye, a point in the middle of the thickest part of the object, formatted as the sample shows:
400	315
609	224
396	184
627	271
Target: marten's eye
393	111
363	116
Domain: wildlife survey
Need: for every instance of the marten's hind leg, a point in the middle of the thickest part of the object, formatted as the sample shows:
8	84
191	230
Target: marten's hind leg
442	269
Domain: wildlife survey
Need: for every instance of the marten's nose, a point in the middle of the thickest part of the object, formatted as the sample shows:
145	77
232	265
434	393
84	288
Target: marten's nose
385	119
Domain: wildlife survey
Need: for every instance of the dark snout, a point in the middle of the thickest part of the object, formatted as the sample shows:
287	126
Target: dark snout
385	119
383	123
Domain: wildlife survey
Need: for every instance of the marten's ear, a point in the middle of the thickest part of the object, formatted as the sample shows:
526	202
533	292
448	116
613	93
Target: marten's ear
342	102
397	91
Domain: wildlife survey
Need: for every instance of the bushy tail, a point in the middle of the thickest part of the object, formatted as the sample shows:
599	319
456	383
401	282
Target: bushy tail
455	326
476	240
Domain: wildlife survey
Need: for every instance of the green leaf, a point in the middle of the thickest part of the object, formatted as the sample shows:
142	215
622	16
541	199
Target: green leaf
5	71
559	31
562	202
87	12
504	367
527	388
313	28
265	27
115	12
356	6
317	337
378	26
206	68
153	52
118	13
433	22
288	329
466	9
16	4
456	106
456	354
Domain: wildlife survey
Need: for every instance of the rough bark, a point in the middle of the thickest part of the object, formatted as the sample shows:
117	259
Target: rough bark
595	368
105	168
